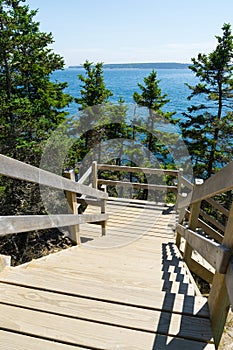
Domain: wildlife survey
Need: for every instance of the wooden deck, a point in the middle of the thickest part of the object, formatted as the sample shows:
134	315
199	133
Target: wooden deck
127	290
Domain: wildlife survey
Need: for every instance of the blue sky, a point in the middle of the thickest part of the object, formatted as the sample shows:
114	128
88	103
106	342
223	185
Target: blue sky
119	31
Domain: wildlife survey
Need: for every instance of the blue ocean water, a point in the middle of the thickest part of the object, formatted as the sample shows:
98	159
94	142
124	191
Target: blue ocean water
124	82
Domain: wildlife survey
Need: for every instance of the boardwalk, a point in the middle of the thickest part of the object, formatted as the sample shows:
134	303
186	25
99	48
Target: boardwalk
127	290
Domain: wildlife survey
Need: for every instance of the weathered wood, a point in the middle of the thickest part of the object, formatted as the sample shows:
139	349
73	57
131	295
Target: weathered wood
212	220
89	201
218	206
186	183
218	300
103	313
15	341
9	340
192	224
138	185
85	176
218	183
94	334
102	310
229	281
19	170
24	223
72	208
138	169
94	175
103	211
216	254
210	231
5	261
201	271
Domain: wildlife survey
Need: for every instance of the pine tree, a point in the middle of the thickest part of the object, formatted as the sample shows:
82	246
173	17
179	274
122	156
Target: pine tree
94	91
94	96
30	104
207	127
152	98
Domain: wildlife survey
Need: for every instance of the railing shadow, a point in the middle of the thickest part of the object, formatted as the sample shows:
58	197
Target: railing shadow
165	337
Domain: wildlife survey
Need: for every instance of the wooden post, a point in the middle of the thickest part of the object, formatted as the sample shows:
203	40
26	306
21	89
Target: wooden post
192	225
218	299
94	175
5	261
103	211
182	210
72	208
103	201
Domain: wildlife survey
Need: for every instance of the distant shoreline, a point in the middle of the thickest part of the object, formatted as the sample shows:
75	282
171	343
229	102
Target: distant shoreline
162	65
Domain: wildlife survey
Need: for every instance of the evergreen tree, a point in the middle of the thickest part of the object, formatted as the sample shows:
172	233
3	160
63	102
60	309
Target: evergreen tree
93	90
30	104
152	98
207	127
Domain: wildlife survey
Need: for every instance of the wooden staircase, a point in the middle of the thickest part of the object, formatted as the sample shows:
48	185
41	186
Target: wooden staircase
129	288
108	293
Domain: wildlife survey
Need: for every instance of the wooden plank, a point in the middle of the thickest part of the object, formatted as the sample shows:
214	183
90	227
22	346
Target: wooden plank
99	310
192	224
229	281
218	183
106	290
19	170
24	223
94	175
5	260
138	202
201	271
210	231
92	333
186	183
138	185
212	220
216	254
137	169
16	341
218	206
218	300
85	176
72	208
89	201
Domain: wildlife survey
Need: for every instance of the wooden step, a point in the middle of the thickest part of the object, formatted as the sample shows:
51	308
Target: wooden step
88	322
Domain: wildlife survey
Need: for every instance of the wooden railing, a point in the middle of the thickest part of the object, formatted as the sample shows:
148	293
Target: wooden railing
22	223
127	169
214	244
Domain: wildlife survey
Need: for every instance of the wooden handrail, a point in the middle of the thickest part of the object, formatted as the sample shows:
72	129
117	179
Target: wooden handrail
219	255
219	183
216	254
137	169
137	185
13	168
15	224
85	176
25	223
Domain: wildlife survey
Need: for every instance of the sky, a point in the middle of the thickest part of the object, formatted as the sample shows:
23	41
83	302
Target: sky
125	31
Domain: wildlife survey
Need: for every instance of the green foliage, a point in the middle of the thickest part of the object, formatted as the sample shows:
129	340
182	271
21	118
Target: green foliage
93	91
207	128
31	106
152	98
